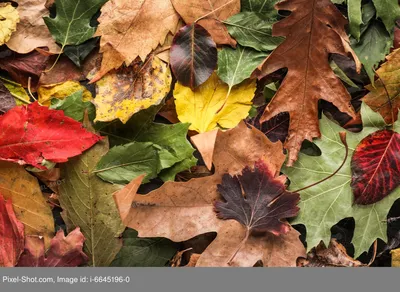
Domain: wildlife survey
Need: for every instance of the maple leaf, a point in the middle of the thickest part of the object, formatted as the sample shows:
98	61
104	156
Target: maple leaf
384	96
209	14
126	91
313	31
181	211
212	105
32	32
29	204
326	204
375	167
11	234
9	19
193	55
63	251
128	30
32	134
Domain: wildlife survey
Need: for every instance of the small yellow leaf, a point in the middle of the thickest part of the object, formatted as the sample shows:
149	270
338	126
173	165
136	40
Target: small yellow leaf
61	91
396	258
204	108
128	90
9	18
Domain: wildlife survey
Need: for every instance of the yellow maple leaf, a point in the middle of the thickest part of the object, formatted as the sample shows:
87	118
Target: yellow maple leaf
124	92
204	108
61	91
9	18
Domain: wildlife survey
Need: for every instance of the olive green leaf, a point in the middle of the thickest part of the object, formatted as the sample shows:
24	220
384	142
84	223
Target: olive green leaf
74	107
260	6
324	205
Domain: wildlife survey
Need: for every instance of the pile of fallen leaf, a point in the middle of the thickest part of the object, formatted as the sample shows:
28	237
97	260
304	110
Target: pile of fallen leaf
216	133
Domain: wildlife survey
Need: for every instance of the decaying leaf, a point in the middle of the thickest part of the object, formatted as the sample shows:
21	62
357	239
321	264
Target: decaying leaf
212	105
333	256
180	211
215	11
32	32
38	134
124	92
11	234
313	31
8	23
87	203
384	96
28	202
131	29
63	251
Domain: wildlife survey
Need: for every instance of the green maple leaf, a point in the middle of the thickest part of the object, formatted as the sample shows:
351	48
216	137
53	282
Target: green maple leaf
71	26
324	205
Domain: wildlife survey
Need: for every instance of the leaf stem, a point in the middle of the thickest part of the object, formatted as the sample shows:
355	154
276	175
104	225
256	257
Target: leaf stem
343	139
239	246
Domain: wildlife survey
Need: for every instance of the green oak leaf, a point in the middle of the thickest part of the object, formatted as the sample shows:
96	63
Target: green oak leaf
71	26
174	151
74	107
87	202
261	6
236	65
144	252
77	54
325	204
254	30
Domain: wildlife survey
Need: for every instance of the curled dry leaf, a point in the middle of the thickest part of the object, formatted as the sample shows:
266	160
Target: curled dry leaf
333	256
11	234
8	23
38	134
32	32
313	31
124	92
131	29
215	12
63	251
375	167
29	204
181	211
193	55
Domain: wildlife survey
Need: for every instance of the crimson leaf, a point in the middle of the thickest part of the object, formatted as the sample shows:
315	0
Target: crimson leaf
257	200
193	55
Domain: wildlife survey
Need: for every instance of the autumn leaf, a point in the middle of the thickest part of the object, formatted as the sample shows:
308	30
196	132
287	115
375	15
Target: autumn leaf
173	202
17	91
63	251
11	234
60	91
74	106
126	91
127	30
32	32
333	198
384	96
310	77
78	54
87	203
71	26
375	167
211	105
193	55
395	257
40	134
9	19
7	101
30	206
210	14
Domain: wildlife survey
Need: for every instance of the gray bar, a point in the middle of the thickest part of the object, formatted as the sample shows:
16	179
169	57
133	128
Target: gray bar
199	279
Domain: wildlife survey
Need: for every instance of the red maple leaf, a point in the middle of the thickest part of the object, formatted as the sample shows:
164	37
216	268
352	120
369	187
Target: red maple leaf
29	134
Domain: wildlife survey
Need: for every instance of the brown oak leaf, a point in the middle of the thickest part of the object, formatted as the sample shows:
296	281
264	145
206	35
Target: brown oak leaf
314	30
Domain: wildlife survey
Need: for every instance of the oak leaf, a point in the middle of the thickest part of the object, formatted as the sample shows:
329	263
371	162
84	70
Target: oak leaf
124	92
32	32
181	211
29	204
63	251
11	234
34	134
214	12
131	29
314	30
8	23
